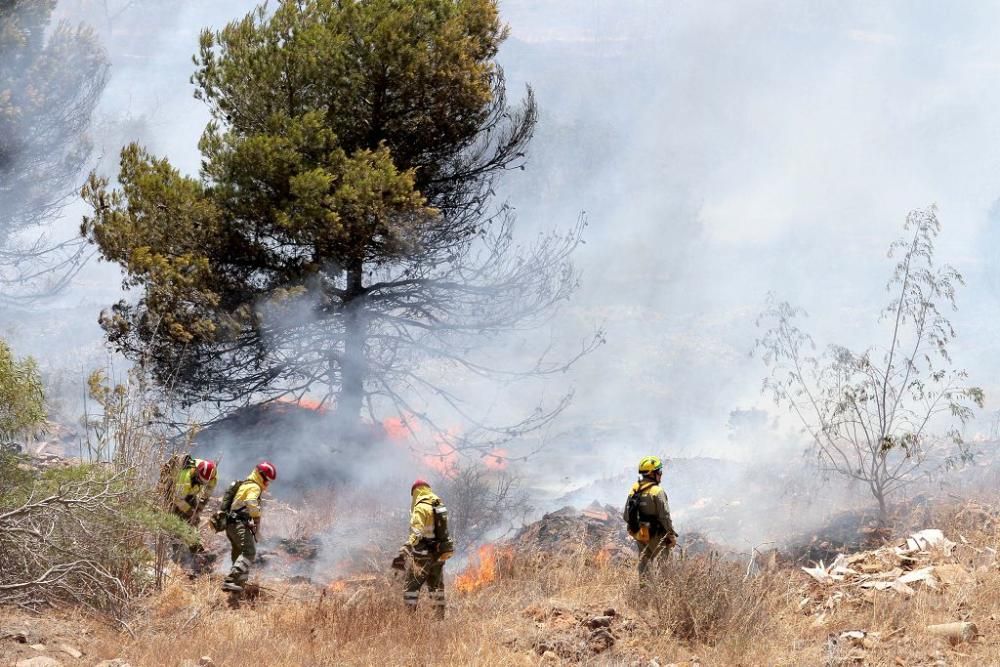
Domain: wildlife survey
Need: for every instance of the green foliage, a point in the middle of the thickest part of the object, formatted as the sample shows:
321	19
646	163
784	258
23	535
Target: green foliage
50	80
22	400
415	75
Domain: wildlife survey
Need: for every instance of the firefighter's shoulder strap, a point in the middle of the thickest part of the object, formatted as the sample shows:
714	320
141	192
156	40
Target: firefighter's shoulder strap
443	546
641	489
632	506
230	495
220	518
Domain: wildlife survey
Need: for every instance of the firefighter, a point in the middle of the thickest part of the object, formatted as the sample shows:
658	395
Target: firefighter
428	547
242	521
192	489
647	514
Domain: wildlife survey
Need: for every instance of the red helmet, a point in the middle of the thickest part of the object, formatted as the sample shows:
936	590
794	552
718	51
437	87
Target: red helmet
417	483
267	471
205	470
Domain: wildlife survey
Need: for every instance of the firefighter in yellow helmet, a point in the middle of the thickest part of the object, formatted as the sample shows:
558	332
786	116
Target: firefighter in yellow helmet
428	547
241	508
647	514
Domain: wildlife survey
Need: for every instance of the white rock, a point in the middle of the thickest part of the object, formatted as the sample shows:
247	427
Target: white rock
40	661
71	651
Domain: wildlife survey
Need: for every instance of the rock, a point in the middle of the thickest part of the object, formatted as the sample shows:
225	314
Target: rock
952	574
71	651
599	622
40	661
206	661
610	612
955	633
17	634
117	662
600	640
564	647
39	647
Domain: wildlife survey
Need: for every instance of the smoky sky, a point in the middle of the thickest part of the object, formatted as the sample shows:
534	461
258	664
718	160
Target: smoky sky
718	150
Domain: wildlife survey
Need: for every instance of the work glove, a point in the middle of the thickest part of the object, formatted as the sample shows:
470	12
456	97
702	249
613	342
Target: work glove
405	554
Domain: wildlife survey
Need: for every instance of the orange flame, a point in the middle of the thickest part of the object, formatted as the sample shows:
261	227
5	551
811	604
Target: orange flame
496	460
337	585
306	402
445	461
489	562
396	428
603	558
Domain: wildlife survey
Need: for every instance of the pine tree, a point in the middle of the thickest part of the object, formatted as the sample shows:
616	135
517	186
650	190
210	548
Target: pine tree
342	231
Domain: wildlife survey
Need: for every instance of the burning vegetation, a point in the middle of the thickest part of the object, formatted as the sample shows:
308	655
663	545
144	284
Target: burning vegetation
332	291
491	561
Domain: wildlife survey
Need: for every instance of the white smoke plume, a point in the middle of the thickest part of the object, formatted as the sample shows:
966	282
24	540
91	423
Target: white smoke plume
719	151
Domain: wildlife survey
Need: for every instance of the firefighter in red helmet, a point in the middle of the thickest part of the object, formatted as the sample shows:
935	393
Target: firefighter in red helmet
242	522
428	547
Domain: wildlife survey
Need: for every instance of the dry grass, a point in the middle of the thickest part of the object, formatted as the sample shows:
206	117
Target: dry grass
704	608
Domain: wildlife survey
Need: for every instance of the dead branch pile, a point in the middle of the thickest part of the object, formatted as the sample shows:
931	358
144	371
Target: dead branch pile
594	528
70	540
925	559
597	529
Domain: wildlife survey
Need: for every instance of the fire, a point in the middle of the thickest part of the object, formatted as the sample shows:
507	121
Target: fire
445	460
603	558
306	402
496	460
396	428
338	585
402	432
490	561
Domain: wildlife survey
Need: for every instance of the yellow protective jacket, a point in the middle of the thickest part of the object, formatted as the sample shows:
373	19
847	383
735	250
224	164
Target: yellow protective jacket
189	491
421	516
653	507
247	498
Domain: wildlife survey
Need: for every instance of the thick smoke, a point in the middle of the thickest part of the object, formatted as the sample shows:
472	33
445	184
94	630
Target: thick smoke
719	152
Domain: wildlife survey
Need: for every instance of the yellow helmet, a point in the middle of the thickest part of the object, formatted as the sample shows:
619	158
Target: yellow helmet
650	464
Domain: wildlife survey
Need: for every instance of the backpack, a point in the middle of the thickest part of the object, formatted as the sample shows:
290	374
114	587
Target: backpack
219	518
632	518
444	548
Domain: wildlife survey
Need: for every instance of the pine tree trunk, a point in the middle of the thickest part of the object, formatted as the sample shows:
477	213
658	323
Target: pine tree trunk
354	367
